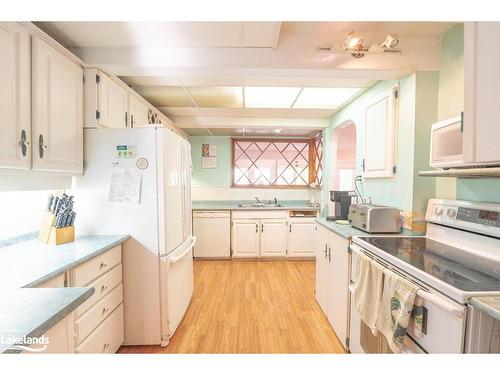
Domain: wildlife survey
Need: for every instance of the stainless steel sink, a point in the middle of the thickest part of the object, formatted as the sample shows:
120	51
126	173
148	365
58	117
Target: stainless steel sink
259	205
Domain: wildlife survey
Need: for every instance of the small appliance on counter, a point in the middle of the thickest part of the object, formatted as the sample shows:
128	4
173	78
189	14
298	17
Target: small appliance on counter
373	218
338	207
57	223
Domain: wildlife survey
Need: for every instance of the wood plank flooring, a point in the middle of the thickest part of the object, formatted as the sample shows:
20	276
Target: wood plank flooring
251	307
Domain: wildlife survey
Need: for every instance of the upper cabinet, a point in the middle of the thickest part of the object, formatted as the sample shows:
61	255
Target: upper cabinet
57	123
110	103
41	103
138	112
106	101
15	94
380	136
481	106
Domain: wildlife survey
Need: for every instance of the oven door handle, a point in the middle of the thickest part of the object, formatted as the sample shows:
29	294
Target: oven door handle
441	303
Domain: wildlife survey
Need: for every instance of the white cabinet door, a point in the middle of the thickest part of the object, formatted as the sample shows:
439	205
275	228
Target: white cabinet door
273	238
338	284
481	107
112	103
57	110
320	246
380	136
15	95
138	112
245	238
301	238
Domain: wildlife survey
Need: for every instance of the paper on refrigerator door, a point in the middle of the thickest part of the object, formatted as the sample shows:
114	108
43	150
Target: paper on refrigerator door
125	185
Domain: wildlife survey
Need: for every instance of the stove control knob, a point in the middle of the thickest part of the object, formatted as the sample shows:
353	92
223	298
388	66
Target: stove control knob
438	210
451	212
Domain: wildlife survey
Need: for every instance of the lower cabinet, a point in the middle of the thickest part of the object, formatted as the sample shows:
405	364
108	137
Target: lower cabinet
245	238
273	238
59	339
271	234
321	250
99	320
107	338
259	238
332	279
300	237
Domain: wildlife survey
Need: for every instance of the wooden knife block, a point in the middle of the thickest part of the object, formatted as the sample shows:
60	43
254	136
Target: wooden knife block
51	235
59	236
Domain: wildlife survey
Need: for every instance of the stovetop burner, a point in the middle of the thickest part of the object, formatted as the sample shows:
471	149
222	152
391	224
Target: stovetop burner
452	265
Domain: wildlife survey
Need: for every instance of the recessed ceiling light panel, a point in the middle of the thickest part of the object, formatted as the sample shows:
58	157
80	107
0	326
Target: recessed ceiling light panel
270	97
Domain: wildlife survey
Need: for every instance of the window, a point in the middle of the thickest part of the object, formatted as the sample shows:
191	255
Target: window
277	163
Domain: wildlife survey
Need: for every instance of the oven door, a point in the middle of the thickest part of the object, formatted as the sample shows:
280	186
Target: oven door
444	322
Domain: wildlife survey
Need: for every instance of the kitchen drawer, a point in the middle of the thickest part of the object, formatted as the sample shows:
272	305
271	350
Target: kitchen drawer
97	266
102	286
96	314
108	337
55	282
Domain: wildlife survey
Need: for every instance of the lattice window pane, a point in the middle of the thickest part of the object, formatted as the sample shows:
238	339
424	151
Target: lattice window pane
275	162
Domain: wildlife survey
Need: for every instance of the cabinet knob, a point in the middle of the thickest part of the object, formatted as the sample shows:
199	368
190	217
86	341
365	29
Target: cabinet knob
105	310
103	288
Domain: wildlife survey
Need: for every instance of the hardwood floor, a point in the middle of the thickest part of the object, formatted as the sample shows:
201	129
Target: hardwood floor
251	307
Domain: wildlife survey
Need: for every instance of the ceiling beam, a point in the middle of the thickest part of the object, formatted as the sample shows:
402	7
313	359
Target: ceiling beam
249	122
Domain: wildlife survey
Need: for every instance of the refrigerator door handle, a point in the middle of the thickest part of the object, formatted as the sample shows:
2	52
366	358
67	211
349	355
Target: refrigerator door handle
173	258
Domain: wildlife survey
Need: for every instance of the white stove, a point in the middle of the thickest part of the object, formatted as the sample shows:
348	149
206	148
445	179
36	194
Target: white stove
457	259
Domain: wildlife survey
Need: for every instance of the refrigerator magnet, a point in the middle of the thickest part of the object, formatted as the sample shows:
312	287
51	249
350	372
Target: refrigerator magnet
142	163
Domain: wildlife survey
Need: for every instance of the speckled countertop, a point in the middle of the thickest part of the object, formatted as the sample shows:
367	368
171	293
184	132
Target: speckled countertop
234	205
489	305
347	231
30	311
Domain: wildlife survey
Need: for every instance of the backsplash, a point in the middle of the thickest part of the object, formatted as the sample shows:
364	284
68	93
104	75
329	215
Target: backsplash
21	212
227	193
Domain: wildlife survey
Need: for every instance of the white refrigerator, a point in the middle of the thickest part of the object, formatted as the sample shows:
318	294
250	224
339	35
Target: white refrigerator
157	260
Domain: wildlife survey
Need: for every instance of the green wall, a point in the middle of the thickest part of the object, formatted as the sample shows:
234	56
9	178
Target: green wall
217	177
451	103
426	113
417	107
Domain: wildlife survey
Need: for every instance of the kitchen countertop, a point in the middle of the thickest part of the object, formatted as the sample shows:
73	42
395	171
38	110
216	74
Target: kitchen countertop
489	304
32	311
348	231
234	205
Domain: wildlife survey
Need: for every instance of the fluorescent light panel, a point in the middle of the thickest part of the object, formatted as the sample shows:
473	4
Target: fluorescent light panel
323	97
270	97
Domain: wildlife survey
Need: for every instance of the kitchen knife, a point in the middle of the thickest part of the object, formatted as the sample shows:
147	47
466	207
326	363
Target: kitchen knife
56	203
49	202
72	218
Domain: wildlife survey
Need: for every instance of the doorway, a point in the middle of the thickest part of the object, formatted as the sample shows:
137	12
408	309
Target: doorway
343	151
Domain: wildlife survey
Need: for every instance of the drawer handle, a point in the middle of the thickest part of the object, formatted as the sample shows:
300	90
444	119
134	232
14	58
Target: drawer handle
106	345
105	310
103	288
103	265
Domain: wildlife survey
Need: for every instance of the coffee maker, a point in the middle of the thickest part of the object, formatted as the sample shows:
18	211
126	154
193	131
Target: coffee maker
338	206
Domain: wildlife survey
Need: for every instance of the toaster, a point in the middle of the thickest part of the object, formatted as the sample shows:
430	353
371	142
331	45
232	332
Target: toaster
373	218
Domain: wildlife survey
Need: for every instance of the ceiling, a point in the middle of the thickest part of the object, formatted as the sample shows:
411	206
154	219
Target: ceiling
252	78
164	34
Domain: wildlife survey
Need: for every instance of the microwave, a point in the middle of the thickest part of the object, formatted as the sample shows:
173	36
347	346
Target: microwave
447	143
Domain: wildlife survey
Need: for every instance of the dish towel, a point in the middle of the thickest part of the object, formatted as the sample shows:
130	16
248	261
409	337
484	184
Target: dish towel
395	309
369	278
417	316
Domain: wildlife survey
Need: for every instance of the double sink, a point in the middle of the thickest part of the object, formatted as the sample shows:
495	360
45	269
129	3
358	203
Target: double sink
260	205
